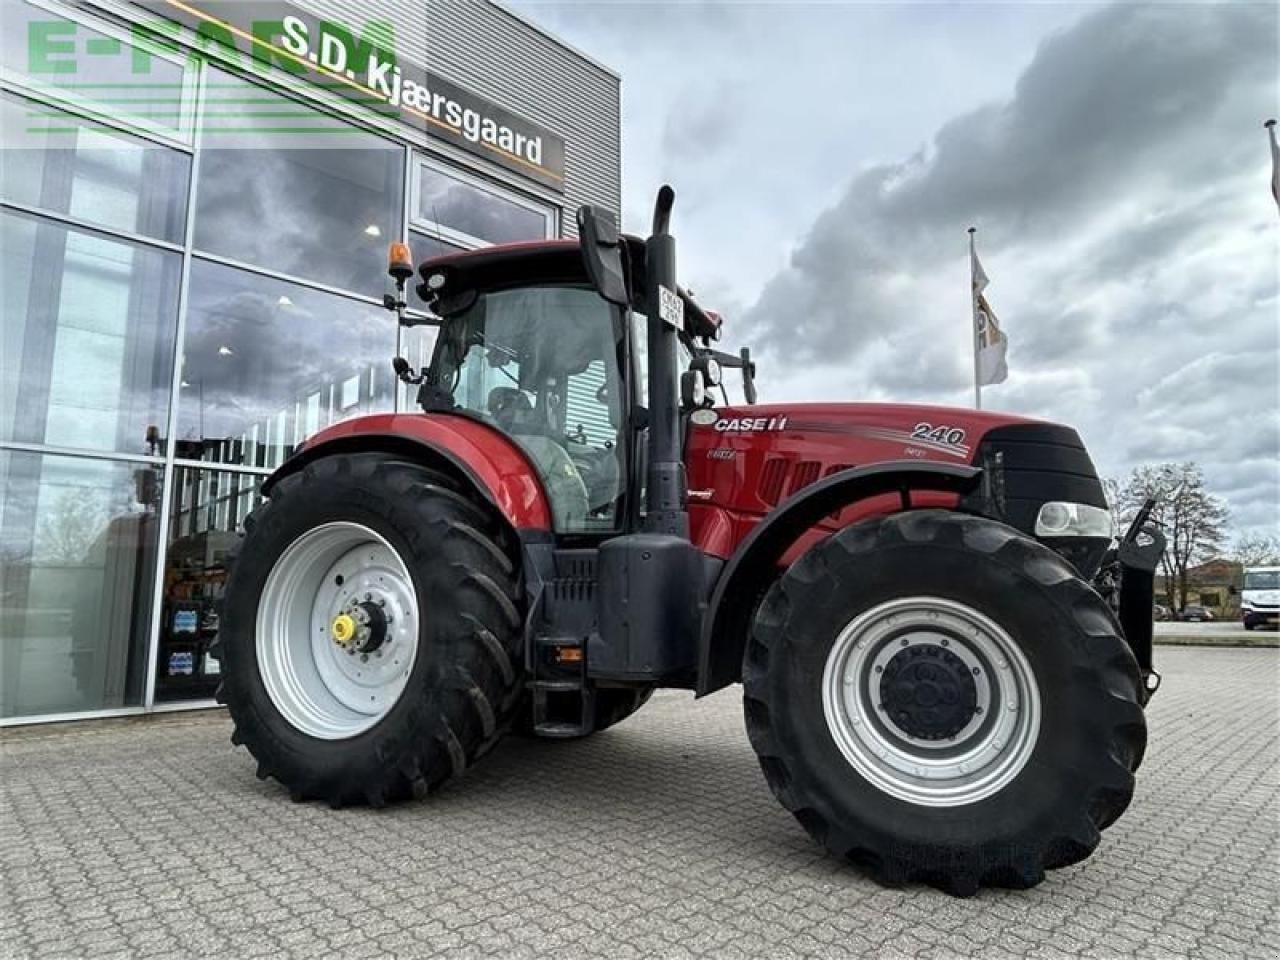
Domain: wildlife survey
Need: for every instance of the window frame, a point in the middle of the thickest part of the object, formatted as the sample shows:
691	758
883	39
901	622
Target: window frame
625	517
180	136
447	234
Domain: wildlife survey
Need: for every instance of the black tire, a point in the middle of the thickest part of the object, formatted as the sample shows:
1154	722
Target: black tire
1092	731
467	674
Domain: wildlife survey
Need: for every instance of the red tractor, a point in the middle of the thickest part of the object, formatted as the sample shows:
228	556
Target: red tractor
945	655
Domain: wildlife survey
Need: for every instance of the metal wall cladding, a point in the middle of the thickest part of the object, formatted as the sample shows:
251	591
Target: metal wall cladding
493	52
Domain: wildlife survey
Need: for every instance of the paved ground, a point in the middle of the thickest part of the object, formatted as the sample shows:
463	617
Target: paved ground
658	838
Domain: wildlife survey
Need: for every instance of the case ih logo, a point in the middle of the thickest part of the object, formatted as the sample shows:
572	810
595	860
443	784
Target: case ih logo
750	424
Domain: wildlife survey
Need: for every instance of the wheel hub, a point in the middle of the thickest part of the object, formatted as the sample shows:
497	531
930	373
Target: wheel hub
337	630
931	701
361	627
928	692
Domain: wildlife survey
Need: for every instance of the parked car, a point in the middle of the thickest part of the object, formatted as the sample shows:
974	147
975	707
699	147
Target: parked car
1196	614
1159	612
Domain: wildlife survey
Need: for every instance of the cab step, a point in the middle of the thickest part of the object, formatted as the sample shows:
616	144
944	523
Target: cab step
563	701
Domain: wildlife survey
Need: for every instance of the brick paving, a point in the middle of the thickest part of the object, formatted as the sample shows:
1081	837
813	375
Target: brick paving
658	838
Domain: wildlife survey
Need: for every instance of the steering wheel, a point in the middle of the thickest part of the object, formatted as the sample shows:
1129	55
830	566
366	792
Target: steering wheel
509	407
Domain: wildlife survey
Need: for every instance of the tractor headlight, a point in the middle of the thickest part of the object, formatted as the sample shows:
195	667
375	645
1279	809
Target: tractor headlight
1060	519
710	367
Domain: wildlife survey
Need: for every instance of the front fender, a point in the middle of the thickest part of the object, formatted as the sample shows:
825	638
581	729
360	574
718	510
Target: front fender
754	564
473	451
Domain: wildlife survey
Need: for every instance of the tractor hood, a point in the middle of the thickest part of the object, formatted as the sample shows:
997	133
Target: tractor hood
744	461
873	431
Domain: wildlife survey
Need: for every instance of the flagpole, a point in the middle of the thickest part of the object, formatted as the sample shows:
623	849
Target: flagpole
1270	126
973	321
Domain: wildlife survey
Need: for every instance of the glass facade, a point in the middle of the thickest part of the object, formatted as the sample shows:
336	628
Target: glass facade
78	542
192	285
268	362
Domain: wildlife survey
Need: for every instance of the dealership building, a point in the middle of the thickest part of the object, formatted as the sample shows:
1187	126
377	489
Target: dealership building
197	202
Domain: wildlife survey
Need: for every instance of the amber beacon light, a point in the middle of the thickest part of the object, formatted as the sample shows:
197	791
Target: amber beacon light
400	261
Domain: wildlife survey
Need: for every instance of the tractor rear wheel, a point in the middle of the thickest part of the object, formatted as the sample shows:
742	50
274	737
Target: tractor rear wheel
938	698
370	636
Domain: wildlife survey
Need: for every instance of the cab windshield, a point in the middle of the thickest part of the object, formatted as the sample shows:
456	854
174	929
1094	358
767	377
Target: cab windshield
1262	580
543	364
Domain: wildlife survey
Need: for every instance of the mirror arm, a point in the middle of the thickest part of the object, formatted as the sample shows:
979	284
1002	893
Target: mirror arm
740	361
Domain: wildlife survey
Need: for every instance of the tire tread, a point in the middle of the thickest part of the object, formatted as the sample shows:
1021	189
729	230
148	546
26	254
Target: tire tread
464	701
959	872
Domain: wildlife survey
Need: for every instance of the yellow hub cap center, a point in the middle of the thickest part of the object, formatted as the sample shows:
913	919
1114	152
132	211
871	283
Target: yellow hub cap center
343	629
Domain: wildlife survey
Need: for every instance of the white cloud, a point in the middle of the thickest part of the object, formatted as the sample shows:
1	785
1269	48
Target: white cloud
829	159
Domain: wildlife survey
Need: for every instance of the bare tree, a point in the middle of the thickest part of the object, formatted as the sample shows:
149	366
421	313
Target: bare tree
1113	489
1193	519
1257	550
68	531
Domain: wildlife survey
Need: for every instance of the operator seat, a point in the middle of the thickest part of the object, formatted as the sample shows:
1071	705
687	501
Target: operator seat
565	487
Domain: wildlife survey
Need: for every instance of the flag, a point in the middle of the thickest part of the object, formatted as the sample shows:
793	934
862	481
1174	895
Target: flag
990	343
1275	161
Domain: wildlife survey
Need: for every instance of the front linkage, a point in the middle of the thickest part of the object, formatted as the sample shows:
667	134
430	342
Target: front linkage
1127	580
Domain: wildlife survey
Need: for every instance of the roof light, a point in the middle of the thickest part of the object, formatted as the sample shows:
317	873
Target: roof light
373	230
399	261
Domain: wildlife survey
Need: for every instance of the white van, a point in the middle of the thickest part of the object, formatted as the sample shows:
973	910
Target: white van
1260	596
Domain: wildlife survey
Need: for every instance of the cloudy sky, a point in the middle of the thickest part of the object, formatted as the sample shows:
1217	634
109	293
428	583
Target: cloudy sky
828	159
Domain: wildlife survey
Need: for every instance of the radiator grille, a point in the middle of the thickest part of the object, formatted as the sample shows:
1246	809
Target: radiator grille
772	478
805	473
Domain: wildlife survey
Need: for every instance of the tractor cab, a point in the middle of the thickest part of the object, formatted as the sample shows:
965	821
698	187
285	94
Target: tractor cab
527	344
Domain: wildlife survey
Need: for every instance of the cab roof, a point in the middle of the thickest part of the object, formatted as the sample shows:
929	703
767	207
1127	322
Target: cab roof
540	262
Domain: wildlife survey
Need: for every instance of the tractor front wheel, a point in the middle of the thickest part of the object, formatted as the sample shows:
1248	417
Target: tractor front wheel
939	698
370	634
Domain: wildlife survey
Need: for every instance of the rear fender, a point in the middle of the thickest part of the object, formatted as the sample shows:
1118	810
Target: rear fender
754	565
475	453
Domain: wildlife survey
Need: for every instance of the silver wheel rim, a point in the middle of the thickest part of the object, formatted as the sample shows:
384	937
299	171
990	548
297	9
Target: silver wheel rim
982	757
324	683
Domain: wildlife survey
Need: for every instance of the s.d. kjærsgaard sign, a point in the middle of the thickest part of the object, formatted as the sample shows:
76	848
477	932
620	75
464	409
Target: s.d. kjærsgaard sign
362	65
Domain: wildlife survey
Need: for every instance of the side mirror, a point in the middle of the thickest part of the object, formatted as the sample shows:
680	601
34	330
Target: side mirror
1231	590
602	254
748	377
